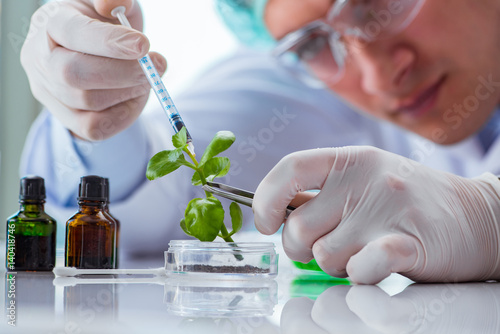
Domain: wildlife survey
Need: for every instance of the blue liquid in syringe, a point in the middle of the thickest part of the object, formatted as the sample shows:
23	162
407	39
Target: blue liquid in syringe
162	95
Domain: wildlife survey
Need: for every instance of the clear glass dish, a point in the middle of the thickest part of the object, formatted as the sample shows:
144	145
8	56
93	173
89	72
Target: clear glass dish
238	260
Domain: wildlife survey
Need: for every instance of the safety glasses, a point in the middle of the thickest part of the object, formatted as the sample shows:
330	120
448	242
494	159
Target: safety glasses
323	46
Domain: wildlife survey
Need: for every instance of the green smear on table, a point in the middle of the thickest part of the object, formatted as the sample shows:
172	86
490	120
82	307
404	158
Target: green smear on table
311	265
313	281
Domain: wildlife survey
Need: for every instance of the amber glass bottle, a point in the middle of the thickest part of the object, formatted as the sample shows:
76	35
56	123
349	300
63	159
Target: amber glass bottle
91	239
31	233
117	222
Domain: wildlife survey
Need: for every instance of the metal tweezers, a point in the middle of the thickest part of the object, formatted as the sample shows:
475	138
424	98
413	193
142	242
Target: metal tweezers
235	194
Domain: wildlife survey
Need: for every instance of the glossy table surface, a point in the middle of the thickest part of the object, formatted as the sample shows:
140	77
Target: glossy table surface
295	301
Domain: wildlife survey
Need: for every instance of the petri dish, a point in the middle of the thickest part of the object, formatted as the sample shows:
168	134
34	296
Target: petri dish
227	260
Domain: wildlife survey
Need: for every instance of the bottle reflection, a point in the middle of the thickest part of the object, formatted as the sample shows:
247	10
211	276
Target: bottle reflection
90	305
420	308
26	293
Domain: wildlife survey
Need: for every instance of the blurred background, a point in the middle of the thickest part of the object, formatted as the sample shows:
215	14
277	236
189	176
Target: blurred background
188	33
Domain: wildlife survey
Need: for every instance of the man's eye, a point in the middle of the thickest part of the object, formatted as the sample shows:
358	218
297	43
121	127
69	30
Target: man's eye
312	47
361	3
360	10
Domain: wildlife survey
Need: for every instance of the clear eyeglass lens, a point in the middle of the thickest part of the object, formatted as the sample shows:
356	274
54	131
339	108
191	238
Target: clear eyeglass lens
310	48
372	19
314	50
350	25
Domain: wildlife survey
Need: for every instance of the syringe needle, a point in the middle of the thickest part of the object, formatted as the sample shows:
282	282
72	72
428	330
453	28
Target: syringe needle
157	85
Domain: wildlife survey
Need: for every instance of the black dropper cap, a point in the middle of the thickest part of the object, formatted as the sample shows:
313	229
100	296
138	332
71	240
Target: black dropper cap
32	188
92	188
106	188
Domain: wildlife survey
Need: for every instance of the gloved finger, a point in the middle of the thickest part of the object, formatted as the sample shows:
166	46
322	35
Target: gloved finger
306	255
295	173
394	253
333	250
296	317
102	99
309	223
380	311
104	124
330	311
91	92
78	32
302	198
95	126
104	7
81	71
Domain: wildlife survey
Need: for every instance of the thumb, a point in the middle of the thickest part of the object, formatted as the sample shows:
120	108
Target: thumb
295	173
80	29
159	61
104	7
392	253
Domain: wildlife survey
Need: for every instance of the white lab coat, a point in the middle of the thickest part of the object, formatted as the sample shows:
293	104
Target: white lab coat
271	115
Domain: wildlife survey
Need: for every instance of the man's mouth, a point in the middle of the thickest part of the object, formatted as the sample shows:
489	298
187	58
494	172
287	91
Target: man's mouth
420	103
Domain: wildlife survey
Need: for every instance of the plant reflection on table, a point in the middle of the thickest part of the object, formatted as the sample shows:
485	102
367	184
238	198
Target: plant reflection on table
420	308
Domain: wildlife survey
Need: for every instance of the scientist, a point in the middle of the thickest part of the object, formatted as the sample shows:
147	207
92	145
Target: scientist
422	200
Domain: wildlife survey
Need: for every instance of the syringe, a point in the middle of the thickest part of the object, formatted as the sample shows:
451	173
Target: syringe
157	85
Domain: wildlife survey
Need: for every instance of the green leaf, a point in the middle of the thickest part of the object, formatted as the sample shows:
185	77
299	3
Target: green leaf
221	142
215	167
236	217
163	163
180	138
183	226
204	217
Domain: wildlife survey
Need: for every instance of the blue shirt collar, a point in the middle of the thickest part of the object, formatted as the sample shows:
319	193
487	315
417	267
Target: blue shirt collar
490	131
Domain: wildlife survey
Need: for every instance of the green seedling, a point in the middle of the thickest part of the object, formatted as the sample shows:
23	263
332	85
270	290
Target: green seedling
204	217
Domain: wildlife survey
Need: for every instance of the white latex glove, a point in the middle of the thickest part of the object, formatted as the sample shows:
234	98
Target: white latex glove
418	309
83	66
378	213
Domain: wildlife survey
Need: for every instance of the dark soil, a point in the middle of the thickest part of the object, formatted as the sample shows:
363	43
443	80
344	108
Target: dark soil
203	268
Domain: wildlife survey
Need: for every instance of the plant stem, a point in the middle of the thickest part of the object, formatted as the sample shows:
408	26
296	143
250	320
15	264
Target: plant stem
224	231
193	158
198	170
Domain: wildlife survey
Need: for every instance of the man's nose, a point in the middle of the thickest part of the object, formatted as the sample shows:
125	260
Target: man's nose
385	68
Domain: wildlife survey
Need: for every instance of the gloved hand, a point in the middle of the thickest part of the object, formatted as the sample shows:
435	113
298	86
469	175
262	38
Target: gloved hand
378	213
83	66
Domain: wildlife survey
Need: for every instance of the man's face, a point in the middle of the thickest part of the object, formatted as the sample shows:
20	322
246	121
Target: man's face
439	77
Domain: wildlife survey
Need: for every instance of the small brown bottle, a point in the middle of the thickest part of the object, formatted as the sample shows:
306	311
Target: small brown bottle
91	234
31	233
106	208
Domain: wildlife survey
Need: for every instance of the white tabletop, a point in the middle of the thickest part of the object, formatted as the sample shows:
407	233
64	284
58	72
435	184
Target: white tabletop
294	302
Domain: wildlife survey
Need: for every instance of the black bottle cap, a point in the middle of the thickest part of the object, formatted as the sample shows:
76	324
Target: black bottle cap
32	188
92	188
106	188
